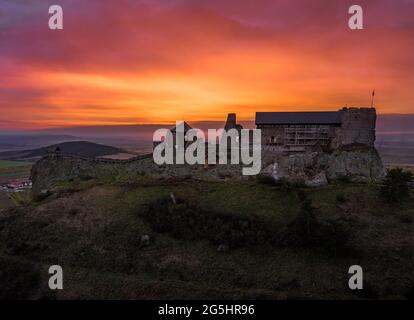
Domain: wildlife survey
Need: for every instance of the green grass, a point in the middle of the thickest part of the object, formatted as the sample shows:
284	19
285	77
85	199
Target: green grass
234	198
93	229
12	164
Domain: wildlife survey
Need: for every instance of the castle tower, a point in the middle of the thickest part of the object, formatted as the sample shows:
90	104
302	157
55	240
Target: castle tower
231	122
358	126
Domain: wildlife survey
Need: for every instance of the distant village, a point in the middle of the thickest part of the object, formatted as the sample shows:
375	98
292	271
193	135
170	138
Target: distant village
16	185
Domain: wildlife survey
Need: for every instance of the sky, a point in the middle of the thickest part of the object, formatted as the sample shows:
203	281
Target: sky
158	61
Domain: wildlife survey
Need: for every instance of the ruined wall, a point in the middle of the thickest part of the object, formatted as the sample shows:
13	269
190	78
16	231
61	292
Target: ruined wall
52	169
354	155
358	126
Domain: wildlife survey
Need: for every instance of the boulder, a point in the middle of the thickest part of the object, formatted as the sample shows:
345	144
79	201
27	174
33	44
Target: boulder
317	181
145	240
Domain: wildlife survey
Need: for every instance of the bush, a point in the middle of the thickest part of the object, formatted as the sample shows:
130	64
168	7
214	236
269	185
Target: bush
307	231
297	184
340	197
344	179
188	222
291	184
395	187
20	280
21	198
265	179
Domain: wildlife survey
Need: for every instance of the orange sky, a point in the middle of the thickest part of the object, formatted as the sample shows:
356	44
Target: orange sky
125	62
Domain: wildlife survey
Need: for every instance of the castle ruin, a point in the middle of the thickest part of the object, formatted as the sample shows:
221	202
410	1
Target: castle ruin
314	147
316	131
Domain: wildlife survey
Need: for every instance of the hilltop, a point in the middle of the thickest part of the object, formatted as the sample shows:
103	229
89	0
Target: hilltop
81	148
119	238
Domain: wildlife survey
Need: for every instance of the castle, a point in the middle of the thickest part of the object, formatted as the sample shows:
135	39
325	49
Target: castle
290	132
316	131
315	147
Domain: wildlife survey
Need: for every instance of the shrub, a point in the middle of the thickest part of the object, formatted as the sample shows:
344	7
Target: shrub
266	179
188	222
297	184
344	179
395	187
307	231
340	197
291	184
21	198
20	280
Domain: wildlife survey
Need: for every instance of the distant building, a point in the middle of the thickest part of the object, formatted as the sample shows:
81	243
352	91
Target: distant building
17	185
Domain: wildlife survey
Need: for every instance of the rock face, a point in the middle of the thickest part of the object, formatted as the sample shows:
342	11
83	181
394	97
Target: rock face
51	170
355	164
317	168
313	168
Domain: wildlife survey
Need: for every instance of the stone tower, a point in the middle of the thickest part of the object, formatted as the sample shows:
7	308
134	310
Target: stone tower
358	126
231	122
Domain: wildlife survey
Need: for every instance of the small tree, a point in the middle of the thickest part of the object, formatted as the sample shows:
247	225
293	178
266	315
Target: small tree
396	188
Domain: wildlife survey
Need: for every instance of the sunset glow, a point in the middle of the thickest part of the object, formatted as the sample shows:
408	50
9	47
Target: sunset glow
154	61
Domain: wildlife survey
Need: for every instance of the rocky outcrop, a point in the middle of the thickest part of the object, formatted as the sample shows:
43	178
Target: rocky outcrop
314	169
52	170
354	164
318	168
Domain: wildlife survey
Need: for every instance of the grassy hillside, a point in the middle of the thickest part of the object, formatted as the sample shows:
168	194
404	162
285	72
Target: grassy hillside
220	240
5	201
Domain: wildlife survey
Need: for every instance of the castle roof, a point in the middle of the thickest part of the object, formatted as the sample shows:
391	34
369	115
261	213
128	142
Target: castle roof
329	117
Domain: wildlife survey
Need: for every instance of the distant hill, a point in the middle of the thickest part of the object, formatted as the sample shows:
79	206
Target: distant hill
82	148
26	141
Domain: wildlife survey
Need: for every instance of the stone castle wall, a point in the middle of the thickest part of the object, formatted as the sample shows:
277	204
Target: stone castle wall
315	168
353	155
357	126
54	169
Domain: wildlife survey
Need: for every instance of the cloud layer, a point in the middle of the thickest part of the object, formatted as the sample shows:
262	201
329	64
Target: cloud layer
122	62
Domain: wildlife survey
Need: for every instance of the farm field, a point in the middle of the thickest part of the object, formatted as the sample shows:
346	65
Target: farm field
4	164
10	170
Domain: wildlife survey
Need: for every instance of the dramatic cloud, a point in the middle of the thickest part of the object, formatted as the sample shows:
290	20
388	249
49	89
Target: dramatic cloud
130	61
